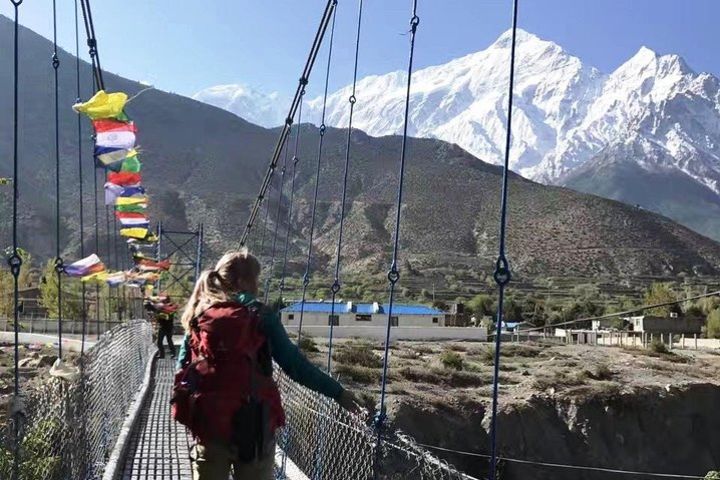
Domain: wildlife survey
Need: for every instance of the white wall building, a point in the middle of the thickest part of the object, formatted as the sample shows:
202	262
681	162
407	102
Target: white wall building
362	314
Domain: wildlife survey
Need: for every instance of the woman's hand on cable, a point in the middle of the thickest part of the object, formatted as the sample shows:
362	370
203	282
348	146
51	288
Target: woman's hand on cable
350	402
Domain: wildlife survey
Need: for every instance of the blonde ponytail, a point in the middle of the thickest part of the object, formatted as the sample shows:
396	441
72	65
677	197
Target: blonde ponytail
234	272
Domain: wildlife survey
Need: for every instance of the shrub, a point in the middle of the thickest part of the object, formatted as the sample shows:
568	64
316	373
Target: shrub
712	475
358	373
360	354
713	324
601	372
658	346
307	344
451	360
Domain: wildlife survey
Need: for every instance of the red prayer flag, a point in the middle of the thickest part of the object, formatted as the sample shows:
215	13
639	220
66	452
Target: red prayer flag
120	215
124	178
110	125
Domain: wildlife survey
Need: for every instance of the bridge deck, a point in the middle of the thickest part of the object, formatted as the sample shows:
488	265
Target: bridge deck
158	447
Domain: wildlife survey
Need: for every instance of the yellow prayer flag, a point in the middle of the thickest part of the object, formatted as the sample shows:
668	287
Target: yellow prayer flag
95	277
103	105
139	233
131	201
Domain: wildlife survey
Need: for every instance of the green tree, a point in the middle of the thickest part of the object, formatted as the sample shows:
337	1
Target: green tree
534	312
582	308
481	304
708	304
661	293
713	324
72	303
6	292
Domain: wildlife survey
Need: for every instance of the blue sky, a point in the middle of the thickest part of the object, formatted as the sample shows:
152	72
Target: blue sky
184	46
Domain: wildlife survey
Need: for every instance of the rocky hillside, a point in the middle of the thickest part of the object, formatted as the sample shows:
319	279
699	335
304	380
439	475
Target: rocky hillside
202	164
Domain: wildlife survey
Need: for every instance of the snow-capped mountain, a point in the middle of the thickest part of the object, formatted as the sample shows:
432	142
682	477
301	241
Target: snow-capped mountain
565	113
267	110
653	111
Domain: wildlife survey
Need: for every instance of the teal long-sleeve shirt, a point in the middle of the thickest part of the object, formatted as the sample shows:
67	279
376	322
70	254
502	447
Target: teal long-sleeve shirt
285	353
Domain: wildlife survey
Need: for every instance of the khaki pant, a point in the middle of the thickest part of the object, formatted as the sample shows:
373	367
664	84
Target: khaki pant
214	462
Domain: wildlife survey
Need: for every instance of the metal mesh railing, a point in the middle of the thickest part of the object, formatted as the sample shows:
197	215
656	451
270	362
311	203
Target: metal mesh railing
323	440
69	427
326	442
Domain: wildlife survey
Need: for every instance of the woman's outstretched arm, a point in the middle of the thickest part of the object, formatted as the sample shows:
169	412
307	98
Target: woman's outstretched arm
289	357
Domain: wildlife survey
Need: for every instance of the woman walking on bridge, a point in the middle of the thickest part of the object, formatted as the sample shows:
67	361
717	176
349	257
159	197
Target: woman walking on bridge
224	390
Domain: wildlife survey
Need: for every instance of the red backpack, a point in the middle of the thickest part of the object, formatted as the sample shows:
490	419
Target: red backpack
227	393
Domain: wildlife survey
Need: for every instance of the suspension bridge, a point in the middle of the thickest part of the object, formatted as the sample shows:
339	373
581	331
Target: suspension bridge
108	417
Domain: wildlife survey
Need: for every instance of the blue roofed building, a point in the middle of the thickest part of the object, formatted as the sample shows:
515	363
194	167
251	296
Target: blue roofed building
362	314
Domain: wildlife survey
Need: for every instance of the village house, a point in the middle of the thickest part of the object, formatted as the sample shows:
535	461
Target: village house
674	324
362	314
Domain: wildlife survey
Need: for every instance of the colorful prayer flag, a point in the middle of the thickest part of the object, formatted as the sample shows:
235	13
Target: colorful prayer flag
134	222
131	201
124	179
139	233
114	134
111	158
120	215
86	266
131	164
115	279
103	105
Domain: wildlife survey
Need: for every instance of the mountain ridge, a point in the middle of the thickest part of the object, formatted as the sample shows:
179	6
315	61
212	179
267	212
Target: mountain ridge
566	113
203	164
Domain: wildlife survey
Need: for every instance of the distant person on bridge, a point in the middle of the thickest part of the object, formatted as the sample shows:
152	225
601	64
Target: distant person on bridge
164	313
224	390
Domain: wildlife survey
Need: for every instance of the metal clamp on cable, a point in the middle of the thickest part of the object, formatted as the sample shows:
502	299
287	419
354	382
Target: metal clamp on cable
55	61
306	279
335	288
414	22
323	128
379	419
15	262
502	273
59	265
394	274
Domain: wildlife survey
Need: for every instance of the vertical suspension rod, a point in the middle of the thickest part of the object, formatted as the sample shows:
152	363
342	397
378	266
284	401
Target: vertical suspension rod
502	274
307	70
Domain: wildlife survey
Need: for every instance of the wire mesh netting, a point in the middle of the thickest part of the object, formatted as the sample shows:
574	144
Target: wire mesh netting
68	428
326	442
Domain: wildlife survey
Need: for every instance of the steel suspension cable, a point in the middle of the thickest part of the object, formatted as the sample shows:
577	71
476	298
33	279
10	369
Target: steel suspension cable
80	177
297	99
97	250
335	287
394	273
59	268
277	220
321	134
15	260
92	44
267	215
502	274
98	84
295	160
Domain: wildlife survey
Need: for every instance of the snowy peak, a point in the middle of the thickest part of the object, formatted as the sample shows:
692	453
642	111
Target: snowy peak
246	102
565	112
